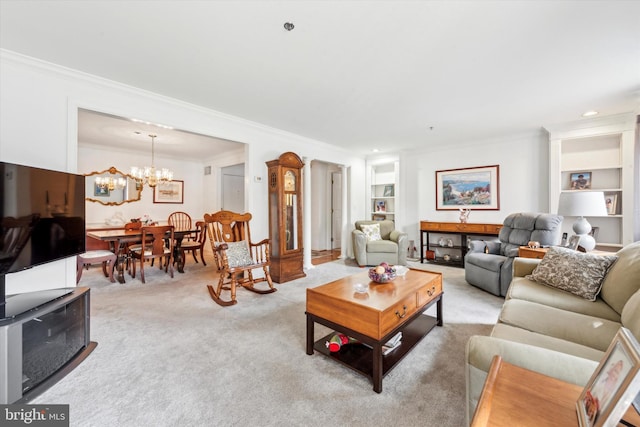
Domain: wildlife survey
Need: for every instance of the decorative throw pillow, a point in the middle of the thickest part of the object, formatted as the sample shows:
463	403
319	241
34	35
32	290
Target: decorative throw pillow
572	271
238	254
371	231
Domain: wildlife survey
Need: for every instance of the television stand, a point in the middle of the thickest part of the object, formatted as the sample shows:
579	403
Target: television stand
43	343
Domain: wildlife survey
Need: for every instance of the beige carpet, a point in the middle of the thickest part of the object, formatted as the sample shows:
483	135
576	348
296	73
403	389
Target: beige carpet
167	355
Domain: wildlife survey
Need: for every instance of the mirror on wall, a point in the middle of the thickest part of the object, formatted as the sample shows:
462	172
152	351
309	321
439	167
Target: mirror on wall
111	187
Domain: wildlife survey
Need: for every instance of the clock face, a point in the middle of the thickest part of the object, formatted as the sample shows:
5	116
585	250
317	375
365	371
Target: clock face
289	181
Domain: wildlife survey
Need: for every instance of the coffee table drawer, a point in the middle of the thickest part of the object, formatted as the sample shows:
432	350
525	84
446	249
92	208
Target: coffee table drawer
427	294
396	314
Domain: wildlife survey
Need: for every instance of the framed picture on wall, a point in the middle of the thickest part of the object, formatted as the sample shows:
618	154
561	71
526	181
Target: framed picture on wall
169	192
469	188
101	190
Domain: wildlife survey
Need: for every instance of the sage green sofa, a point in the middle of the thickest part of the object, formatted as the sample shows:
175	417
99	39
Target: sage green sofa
555	332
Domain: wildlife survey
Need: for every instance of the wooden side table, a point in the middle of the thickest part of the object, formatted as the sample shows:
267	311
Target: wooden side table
538	253
527	252
516	396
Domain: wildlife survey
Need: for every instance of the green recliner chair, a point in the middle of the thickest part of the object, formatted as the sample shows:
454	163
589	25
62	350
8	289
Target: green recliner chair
389	246
488	264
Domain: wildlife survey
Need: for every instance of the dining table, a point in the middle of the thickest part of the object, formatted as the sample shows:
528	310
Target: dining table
119	239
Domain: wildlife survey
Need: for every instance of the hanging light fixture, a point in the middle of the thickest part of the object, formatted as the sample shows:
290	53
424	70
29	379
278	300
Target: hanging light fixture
148	174
111	183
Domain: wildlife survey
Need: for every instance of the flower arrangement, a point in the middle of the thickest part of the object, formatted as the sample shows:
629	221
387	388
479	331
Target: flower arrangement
464	215
144	219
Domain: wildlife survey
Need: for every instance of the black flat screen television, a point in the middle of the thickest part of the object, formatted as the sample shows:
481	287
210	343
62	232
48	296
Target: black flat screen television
42	214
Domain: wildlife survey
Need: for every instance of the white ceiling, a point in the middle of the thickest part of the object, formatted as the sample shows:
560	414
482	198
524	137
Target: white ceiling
361	74
129	134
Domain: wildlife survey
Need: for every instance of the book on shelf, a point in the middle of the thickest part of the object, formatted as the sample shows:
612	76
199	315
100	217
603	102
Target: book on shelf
392	344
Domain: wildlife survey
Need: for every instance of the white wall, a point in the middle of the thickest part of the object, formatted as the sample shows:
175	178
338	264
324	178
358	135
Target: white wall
524	178
38	127
98	159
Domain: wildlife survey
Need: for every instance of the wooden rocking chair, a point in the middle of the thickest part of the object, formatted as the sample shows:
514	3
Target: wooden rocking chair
236	255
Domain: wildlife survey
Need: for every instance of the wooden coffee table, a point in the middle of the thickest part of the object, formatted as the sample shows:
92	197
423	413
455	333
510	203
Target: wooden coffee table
373	318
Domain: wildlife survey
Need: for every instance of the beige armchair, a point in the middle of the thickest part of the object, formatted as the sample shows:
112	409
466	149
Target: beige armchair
388	245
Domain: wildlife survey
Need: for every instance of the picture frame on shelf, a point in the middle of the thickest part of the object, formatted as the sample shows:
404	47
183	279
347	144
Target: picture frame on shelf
388	191
614	384
379	217
381	206
580	181
563	242
611	200
476	188
573	242
594	232
169	192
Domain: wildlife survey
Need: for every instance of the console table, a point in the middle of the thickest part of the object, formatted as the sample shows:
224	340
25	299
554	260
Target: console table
455	228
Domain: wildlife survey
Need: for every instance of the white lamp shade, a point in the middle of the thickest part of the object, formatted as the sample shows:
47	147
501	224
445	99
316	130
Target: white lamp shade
582	203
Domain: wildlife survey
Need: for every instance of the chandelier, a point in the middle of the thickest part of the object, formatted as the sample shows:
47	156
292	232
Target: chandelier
111	183
149	174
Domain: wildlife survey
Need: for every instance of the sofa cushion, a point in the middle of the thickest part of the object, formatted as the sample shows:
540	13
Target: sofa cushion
631	315
512	333
529	290
387	246
572	271
371	231
575	327
489	262
623	278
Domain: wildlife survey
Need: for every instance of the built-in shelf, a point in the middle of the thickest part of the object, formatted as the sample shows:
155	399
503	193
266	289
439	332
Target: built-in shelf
383	190
602	150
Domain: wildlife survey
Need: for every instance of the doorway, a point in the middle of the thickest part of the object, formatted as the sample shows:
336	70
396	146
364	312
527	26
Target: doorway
326	212
233	188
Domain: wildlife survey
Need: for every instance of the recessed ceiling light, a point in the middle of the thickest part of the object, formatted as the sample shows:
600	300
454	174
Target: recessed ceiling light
289	26
590	113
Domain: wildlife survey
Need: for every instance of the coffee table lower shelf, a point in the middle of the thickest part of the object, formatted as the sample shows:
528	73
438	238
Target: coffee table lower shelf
359	357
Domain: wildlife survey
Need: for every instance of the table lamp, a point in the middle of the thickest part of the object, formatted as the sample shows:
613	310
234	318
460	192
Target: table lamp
581	204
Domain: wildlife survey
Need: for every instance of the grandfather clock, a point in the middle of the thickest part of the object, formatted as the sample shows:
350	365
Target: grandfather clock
285	217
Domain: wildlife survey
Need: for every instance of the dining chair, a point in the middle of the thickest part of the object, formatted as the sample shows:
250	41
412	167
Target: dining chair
195	245
182	222
127	247
156	242
236	255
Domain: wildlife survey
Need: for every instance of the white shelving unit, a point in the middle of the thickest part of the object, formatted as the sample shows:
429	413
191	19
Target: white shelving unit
383	190
603	149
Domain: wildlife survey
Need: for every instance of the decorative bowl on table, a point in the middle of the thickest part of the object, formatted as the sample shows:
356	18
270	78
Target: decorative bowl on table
401	270
385	277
